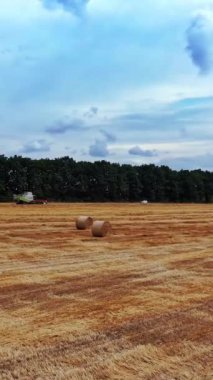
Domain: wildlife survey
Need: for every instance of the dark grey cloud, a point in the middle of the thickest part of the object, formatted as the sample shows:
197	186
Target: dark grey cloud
99	149
184	132
108	136
169	122
76	7
200	41
36	146
137	151
93	111
70	150
131	117
148	120
6	51
22	53
61	127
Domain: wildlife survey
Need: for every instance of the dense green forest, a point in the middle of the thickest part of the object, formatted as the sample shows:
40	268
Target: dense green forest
63	179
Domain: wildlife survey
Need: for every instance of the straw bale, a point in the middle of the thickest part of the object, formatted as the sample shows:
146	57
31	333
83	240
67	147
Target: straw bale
100	228
83	222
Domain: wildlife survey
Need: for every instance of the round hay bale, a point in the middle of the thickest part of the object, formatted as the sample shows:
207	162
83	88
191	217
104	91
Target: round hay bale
100	228
83	222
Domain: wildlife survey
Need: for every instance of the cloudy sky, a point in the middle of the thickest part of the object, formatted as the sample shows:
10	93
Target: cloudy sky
126	81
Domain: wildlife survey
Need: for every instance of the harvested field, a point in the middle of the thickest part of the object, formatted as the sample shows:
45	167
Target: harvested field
133	305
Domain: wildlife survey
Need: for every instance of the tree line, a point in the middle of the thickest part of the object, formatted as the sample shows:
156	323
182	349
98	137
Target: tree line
64	179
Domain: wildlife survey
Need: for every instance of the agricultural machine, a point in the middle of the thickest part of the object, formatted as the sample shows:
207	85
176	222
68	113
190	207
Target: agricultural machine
28	198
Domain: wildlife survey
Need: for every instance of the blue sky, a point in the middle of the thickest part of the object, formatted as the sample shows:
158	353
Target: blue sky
126	81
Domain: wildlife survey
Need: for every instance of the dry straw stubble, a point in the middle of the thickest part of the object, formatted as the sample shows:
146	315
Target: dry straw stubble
135	306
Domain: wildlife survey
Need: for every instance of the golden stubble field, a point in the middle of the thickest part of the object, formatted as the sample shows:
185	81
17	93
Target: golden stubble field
133	305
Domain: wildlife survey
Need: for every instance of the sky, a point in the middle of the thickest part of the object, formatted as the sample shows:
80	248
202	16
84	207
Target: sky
124	81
